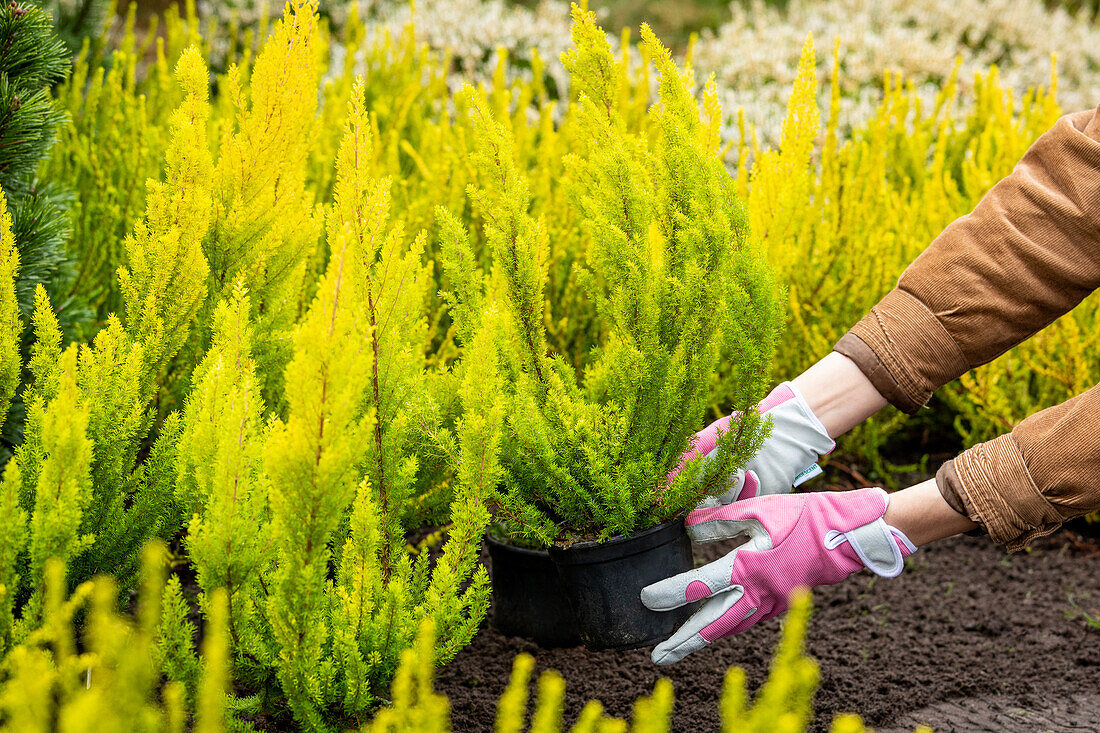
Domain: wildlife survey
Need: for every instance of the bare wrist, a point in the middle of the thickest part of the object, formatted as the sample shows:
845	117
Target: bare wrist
922	513
839	394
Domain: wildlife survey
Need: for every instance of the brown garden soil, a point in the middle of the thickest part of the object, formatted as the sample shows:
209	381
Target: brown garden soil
967	638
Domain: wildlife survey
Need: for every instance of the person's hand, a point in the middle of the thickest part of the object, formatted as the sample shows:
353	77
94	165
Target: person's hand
794	540
787	458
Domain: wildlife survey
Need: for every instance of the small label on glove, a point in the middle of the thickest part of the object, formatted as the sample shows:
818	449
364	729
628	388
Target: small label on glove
811	472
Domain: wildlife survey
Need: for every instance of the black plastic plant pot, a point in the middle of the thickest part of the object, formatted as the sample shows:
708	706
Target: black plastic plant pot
528	599
603	582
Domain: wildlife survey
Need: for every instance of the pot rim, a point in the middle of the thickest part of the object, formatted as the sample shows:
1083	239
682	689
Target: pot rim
493	541
618	547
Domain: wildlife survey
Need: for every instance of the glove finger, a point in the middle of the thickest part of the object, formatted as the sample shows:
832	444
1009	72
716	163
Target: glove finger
702	444
692	635
690	586
709	523
743	485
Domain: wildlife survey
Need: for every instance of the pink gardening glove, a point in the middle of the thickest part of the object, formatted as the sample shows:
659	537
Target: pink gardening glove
787	458
794	540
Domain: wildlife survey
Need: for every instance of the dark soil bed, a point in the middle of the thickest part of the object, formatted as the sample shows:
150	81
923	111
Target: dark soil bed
965	635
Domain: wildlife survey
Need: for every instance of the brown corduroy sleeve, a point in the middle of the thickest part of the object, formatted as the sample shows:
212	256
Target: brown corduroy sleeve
1028	253
1024	484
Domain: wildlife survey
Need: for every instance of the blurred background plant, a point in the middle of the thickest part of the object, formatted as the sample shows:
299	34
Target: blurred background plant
915	125
754	54
181	198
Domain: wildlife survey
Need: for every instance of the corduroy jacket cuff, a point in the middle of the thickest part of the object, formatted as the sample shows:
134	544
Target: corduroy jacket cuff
995	489
903	350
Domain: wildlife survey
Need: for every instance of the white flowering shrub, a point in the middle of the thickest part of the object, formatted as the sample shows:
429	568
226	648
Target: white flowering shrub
754	56
471	30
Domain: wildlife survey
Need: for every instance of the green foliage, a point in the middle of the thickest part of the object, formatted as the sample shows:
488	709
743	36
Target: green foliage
300	524
31	61
415	705
11	325
220	484
121	372
842	220
92	481
77	20
265	227
101	674
820	204
63	487
677	283
519	301
211	714
174	651
119	121
301	520
13	528
162	284
312	458
358	358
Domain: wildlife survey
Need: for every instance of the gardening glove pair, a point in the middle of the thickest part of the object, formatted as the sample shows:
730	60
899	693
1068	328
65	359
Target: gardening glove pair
787	458
794	540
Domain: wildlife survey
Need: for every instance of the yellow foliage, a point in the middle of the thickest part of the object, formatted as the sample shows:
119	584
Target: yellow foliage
114	141
266	226
110	683
841	221
162	285
11	325
249	186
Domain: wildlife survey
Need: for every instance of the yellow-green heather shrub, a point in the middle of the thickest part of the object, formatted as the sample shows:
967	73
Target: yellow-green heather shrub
266	291
843	210
113	141
302	519
57	530
87	406
90	668
1056	364
266	518
219	483
13	522
103	674
677	284
266	227
88	486
11	323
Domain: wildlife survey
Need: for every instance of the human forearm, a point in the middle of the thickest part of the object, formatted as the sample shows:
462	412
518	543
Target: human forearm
1023	257
842	397
838	393
1024	484
921	512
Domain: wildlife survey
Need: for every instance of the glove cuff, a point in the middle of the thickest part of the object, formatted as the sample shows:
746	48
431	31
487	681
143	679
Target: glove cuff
797	440
881	547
